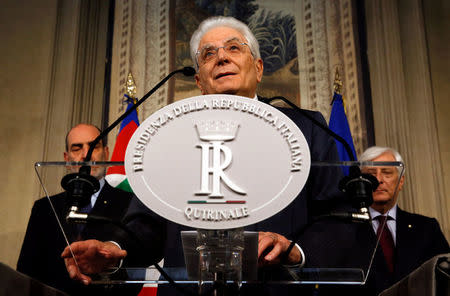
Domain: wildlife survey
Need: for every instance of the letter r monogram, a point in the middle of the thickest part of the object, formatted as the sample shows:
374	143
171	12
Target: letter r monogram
216	170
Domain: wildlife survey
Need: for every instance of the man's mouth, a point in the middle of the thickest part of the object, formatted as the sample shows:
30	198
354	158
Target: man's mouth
224	75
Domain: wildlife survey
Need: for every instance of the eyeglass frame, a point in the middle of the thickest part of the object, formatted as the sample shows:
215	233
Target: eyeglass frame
216	49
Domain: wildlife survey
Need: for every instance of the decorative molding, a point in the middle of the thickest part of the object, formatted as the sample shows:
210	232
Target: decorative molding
314	69
120	65
158	38
141	46
351	64
326	34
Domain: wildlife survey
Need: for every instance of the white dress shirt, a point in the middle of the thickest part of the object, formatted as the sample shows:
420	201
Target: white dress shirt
391	223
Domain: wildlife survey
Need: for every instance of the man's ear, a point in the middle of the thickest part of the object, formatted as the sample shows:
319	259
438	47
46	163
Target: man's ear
400	184
259	65
106	149
199	85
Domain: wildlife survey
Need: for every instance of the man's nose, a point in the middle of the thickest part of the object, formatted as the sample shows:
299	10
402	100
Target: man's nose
379	177
222	54
85	151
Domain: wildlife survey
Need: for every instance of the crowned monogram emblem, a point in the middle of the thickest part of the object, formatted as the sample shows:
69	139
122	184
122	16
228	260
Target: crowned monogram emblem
215	134
217	161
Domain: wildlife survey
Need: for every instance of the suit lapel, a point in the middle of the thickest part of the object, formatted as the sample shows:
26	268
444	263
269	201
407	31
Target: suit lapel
404	240
111	202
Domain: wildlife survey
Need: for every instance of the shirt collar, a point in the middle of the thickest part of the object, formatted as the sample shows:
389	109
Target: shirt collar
391	213
95	195
102	183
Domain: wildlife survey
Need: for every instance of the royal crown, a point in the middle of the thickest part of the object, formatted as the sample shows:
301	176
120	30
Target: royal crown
212	130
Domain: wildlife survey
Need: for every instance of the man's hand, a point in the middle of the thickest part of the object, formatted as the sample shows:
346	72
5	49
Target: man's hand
272	247
92	256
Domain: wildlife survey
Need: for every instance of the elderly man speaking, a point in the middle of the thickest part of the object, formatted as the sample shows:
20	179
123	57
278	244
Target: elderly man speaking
227	59
226	55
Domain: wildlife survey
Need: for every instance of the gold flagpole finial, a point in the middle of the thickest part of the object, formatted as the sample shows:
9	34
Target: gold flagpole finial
130	86
337	85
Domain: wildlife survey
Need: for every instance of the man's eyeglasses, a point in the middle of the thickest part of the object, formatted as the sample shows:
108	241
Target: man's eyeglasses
207	54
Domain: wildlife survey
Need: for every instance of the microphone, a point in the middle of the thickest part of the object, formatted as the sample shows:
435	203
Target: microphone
80	186
357	186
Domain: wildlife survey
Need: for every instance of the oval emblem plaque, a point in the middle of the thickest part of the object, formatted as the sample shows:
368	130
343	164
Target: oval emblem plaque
217	161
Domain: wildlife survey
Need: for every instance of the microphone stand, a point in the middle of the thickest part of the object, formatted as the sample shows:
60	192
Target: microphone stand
356	185
315	121
80	186
187	71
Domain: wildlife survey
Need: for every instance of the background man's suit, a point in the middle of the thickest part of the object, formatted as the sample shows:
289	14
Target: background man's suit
336	244
43	244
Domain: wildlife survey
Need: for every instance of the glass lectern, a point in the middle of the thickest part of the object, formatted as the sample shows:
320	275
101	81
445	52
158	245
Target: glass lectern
338	240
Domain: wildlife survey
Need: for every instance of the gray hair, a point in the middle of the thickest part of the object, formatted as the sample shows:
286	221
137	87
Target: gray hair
223	21
375	151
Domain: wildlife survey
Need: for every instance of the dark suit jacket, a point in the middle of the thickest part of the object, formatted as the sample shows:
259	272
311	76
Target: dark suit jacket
337	244
40	256
321	188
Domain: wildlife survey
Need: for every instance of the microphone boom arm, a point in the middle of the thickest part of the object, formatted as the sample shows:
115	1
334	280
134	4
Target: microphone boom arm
188	71
316	122
363	213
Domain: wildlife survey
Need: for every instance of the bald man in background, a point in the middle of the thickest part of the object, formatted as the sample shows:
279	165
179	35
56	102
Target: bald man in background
40	256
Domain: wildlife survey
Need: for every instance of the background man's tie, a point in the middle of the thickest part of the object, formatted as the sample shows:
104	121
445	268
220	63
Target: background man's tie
87	209
386	241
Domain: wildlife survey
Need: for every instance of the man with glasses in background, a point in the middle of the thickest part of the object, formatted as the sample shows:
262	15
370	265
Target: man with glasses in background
406	240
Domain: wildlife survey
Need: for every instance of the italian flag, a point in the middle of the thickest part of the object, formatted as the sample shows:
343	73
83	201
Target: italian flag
115	175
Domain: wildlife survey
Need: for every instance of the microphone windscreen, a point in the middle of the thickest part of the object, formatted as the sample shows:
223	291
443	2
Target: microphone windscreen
188	71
